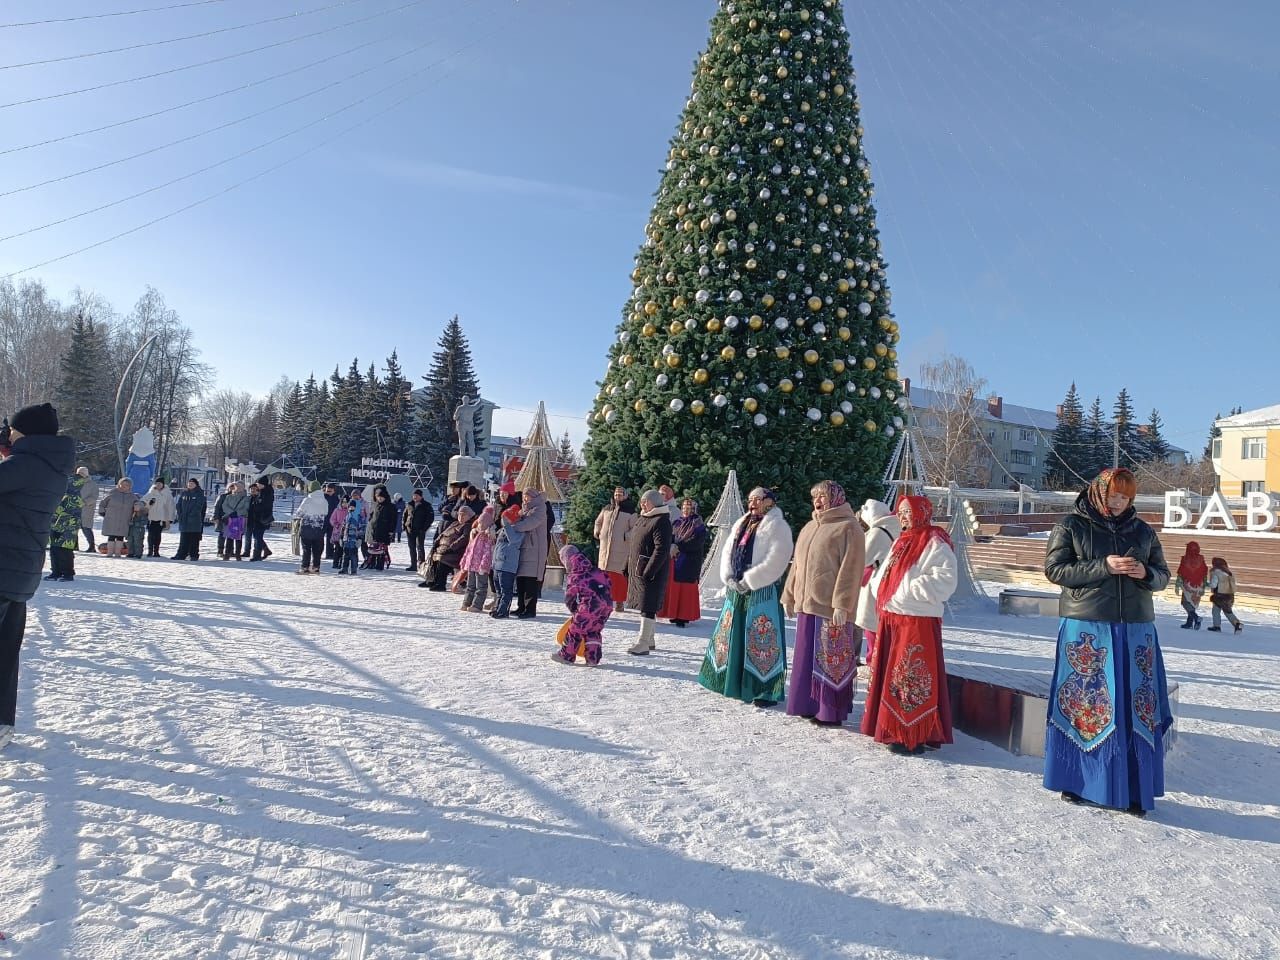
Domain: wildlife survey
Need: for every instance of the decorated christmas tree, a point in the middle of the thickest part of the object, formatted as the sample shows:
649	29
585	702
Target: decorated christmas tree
758	334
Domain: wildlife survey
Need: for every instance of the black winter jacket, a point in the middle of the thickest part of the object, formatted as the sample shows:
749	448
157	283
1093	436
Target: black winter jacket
648	562
189	509
32	481
382	523
418	517
1076	560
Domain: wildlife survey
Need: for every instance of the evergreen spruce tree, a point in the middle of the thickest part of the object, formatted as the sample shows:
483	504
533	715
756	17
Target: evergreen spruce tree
85	398
1215	432
564	450
450	378
1099	437
1122	422
395	409
292	423
758	333
331	421
1070	451
1156	448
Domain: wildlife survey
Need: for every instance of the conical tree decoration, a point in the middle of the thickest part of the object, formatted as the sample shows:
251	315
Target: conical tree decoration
725	515
540	432
758	333
536	474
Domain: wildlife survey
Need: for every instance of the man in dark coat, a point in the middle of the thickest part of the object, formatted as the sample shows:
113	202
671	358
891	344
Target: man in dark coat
418	518
190	507
262	514
332	499
647	564
33	478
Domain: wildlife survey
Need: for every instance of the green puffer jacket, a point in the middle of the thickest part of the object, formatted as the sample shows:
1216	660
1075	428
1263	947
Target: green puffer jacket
67	516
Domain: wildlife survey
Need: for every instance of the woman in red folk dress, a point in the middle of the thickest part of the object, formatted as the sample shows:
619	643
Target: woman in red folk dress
907	704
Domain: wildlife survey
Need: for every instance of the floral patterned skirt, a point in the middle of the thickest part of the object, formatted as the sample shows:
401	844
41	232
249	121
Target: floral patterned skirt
824	672
746	657
907	701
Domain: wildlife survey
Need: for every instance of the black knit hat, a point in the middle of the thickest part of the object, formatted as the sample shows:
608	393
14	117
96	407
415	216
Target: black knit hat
35	420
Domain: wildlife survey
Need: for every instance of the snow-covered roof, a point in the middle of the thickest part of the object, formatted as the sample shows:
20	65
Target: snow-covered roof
922	398
1262	417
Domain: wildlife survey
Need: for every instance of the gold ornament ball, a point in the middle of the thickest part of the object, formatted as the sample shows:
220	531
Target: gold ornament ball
626	360
675	328
756	321
673	360
697	408
779	142
870	426
822	200
784	34
811	357
731	215
750	405
781	73
881	350
839	89
804	15
826	386
844	333
657	363
739	376
713	325
884	323
891	374
893	354
728	353
701	376
843	286
837	366
869	363
841	312
648	330
837	418
721	248
785	385
751	264
768	300
782	353
639	406
815	304
650	308
678	301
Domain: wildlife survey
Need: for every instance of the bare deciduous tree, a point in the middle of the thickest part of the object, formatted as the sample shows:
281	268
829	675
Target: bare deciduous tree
35	331
950	428
224	419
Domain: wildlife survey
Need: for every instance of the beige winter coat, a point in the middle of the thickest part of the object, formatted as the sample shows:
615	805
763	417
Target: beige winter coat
613	530
826	571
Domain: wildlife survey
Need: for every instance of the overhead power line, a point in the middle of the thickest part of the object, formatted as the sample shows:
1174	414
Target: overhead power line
104	16
261	173
210	62
191	103
243	153
190	36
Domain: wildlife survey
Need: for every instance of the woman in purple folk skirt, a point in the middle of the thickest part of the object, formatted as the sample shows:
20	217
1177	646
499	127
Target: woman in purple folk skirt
822	591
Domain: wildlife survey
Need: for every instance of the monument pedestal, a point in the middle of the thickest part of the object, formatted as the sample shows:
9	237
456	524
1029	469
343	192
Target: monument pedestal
467	470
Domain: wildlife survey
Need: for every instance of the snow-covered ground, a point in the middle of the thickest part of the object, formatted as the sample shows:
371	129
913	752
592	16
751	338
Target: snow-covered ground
229	760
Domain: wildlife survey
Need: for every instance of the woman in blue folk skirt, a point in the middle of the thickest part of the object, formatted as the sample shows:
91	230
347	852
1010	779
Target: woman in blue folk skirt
1109	700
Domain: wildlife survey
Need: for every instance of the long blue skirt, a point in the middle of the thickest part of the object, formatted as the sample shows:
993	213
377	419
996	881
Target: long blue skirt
1108	713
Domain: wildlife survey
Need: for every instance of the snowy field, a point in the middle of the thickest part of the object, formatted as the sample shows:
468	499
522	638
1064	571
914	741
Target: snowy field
232	761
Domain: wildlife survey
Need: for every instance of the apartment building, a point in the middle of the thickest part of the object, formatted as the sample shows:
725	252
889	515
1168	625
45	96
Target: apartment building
1246	457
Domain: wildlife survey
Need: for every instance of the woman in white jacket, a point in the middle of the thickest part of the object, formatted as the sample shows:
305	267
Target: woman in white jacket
747	656
907	704
883	530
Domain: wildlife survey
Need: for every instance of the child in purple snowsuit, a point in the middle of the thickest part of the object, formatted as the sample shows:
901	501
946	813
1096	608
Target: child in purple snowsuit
589	598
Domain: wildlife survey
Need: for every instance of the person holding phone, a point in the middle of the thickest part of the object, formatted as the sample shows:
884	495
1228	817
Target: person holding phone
1109	700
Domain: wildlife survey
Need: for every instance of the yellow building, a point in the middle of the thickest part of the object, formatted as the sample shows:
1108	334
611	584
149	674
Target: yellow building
1246	457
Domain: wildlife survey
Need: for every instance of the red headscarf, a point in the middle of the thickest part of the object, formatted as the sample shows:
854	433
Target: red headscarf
909	547
1192	569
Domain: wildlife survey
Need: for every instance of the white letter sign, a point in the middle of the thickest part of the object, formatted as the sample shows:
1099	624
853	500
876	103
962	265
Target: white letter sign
1216	507
1175	514
1259	517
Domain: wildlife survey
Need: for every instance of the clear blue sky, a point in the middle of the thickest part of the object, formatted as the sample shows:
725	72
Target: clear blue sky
1067	189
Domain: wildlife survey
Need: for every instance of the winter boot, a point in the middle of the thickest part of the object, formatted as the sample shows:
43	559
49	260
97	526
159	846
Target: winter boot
644	643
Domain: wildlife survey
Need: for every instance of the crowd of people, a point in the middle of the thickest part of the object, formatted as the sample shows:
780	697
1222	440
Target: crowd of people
870	583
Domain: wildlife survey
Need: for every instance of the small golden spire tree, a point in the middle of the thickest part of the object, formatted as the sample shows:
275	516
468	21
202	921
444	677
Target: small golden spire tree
536	474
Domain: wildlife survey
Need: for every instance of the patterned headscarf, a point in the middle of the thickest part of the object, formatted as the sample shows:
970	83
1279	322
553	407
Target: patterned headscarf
1106	483
833	490
686	528
909	547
